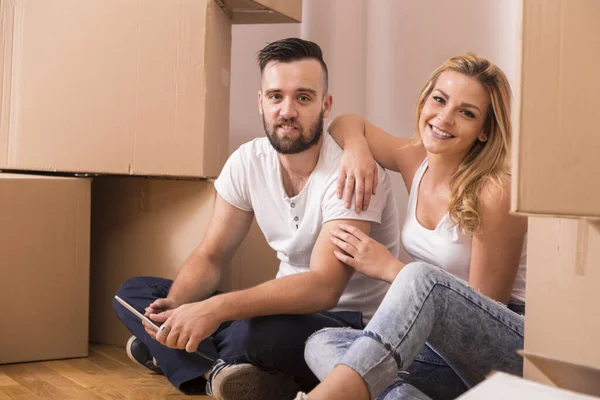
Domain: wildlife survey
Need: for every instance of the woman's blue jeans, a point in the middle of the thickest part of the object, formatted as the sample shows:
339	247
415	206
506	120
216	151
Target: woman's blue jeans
472	333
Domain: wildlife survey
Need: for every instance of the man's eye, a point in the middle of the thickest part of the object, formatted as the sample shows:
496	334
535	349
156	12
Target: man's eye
304	98
275	96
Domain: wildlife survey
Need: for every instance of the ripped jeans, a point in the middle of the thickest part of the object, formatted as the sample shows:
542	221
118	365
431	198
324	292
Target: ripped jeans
471	332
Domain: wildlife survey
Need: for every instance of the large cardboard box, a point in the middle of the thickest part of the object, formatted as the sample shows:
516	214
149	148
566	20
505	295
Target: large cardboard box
44	248
563	304
115	86
556	147
150	227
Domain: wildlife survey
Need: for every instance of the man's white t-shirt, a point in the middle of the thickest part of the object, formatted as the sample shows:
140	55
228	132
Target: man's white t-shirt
251	181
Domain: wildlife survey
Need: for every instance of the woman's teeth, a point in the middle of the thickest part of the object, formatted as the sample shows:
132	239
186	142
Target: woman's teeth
440	132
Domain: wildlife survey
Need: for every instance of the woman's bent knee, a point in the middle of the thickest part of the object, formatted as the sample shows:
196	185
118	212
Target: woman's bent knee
325	348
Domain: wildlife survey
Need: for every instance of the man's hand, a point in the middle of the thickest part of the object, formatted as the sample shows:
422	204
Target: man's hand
158	306
187	325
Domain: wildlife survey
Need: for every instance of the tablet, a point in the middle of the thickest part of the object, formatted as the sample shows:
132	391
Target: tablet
136	312
206	349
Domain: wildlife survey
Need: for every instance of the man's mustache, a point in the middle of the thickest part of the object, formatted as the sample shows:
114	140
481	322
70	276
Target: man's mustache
287	121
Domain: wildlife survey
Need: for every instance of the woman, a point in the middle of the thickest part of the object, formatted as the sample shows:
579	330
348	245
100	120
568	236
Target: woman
470	250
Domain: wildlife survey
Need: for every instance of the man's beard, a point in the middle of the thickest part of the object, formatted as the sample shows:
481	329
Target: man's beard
288	145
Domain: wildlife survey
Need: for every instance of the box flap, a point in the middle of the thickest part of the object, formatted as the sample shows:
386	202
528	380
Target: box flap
263	11
566	375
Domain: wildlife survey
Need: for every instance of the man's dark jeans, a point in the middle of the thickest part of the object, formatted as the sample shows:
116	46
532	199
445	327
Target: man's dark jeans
272	343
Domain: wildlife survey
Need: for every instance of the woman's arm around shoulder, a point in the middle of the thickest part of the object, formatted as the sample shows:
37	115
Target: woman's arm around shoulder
497	246
364	144
352	132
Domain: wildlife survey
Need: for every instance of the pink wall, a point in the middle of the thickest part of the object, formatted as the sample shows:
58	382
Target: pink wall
379	53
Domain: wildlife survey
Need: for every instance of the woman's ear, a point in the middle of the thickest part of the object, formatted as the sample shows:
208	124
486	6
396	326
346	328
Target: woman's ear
483	137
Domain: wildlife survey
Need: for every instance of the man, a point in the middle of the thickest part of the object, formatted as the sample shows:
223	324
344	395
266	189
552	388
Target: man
288	182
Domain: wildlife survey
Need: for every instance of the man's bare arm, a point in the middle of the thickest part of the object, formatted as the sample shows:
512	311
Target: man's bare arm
317	290
200	275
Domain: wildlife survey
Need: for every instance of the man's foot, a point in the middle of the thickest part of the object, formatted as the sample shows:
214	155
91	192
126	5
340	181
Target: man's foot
245	381
139	353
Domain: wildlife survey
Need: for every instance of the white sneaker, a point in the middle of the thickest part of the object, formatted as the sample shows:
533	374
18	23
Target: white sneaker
247	382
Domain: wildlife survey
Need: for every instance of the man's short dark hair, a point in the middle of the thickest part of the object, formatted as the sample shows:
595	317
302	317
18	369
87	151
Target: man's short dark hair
292	49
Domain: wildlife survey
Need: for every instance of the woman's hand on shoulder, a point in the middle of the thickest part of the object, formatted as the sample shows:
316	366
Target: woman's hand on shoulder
358	175
365	148
363	253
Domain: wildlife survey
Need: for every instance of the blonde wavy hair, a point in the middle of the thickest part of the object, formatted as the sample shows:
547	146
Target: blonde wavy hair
486	162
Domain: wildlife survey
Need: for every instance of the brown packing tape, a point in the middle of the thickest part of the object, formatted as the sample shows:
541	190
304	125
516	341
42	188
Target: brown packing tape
582	247
566	375
6	46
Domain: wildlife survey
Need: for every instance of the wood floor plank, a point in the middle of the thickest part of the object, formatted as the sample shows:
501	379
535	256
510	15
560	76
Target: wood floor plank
30	376
107	374
72	373
117	354
17	393
6	380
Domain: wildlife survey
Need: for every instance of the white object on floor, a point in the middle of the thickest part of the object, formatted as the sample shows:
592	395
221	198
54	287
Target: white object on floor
502	386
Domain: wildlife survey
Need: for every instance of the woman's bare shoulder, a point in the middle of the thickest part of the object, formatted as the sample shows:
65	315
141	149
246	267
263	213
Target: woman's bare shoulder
409	158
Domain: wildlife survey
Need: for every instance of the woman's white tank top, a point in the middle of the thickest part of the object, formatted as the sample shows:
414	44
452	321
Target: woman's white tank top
446	246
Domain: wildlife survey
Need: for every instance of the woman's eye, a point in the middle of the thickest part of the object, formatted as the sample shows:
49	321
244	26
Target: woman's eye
439	99
469	114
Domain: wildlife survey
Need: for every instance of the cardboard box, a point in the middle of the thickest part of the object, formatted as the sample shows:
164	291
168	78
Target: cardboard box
555	158
561	374
150	227
115	86
563	303
264	11
44	246
502	386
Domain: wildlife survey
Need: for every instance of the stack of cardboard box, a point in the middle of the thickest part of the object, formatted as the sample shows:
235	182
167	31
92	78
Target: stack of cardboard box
114	118
556	182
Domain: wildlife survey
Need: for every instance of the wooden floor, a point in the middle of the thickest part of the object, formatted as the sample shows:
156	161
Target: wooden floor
106	374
